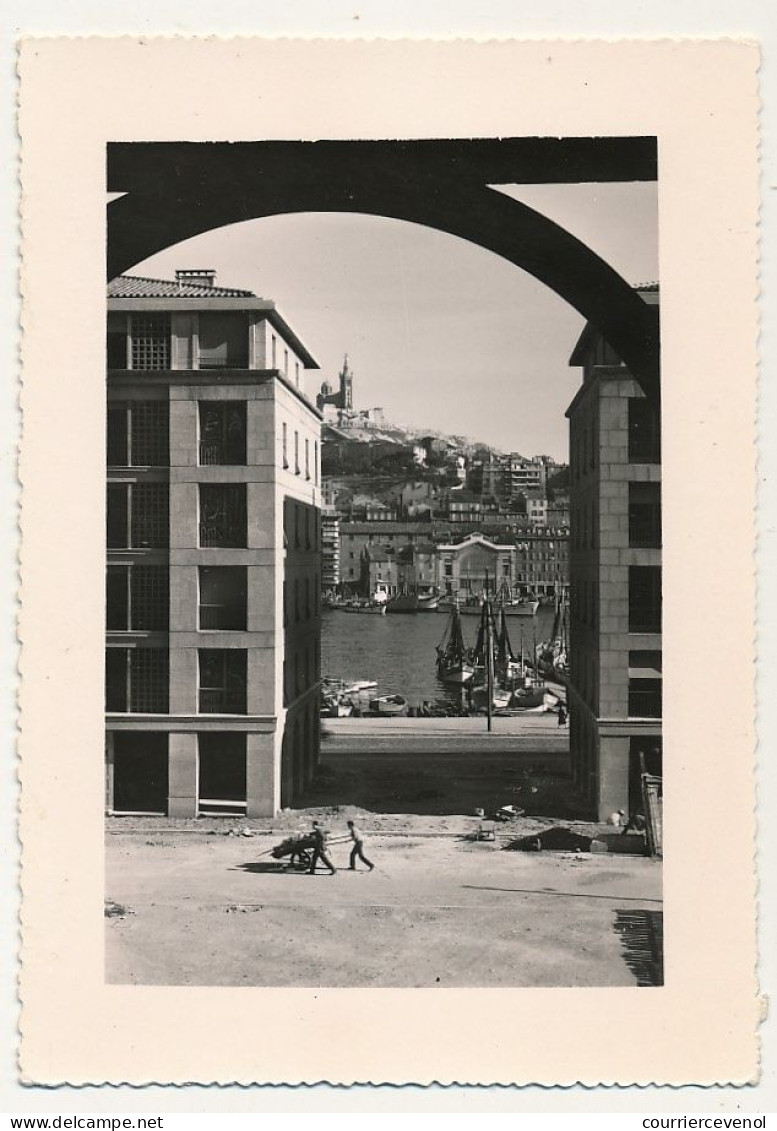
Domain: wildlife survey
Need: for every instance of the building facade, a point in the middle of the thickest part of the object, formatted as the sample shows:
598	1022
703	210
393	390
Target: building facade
213	534
330	550
542	561
469	567
615	571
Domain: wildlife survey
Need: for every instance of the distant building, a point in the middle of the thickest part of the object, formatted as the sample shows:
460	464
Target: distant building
542	561
212	614
342	398
330	550
466	568
558	511
379	573
614	691
536	507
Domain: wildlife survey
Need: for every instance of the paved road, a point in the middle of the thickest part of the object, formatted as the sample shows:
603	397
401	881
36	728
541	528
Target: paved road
525	735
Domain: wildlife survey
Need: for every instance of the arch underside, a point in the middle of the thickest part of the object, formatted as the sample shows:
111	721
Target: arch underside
174	191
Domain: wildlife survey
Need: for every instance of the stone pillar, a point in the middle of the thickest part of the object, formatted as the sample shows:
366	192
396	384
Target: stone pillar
262	787
613	776
182	775
109	770
184	680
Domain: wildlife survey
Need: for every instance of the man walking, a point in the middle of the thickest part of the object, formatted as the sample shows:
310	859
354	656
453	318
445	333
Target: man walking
357	852
319	850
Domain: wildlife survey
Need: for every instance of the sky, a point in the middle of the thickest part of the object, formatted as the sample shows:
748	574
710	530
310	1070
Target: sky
439	332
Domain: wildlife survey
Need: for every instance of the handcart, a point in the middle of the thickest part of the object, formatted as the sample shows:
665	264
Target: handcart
298	848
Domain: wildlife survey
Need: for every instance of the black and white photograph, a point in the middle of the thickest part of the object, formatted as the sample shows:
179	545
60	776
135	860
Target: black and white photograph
383	660
388	471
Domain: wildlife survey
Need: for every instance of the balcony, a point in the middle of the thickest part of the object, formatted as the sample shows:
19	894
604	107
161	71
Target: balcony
222	701
225	617
219	453
236	360
222	534
645	531
644	618
645	699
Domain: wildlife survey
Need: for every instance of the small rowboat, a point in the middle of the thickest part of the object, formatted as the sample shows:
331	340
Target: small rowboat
388	705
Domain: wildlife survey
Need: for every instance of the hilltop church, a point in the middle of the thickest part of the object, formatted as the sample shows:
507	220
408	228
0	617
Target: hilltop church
343	398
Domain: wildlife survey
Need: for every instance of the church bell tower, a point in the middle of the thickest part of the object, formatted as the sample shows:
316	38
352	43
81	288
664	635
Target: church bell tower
346	386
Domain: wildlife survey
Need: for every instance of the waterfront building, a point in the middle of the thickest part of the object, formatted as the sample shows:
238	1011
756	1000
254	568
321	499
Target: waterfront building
467	567
330	549
212	587
542	561
378	573
355	537
614	692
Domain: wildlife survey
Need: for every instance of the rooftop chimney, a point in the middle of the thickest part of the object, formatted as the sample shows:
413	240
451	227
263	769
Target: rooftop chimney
199	276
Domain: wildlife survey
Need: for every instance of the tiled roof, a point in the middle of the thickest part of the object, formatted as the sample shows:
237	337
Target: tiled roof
135	286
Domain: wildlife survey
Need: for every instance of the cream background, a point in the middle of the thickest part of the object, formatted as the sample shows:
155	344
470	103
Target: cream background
700	99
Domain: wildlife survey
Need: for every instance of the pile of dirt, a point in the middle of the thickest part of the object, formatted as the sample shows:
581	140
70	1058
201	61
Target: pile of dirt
555	839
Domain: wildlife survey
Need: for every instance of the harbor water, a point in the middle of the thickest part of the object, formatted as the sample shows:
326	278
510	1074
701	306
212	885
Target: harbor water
398	650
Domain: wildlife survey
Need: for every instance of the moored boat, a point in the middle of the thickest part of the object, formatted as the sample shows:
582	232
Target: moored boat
388	705
453	663
402	603
364	607
429	603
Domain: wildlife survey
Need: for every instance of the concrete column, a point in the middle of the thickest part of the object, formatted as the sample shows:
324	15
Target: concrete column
109	770
182	776
262	785
184	598
613	776
183	431
183	681
261	680
261	515
184	511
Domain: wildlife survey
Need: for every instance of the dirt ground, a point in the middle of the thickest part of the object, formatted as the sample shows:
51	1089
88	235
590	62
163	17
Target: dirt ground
199	902
436	911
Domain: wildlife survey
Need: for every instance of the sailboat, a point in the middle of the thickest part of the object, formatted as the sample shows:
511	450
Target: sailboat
453	665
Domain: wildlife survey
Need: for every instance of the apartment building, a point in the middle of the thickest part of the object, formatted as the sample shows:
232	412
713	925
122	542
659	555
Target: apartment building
213	536
615	573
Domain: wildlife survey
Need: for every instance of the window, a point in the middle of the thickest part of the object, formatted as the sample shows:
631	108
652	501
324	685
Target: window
138	516
274	345
296	453
644	598
644	432
116	341
136	680
644	514
307	458
222	681
285	363
315	462
223	339
223	515
137	598
296	373
150	341
645	698
285	446
138	434
223	600
222	433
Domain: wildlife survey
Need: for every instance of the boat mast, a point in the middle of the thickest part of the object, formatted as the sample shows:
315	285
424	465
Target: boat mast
489	660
